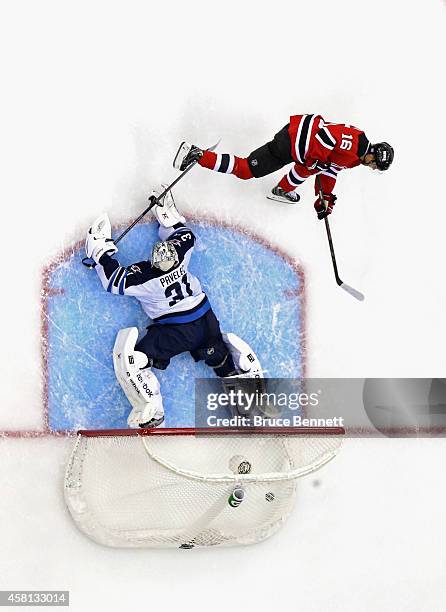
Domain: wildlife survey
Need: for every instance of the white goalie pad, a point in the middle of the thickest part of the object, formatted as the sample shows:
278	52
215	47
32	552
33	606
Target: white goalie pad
166	212
99	240
249	379
141	387
246	361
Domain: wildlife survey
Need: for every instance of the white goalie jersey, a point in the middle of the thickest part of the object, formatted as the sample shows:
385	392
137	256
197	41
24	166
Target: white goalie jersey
166	297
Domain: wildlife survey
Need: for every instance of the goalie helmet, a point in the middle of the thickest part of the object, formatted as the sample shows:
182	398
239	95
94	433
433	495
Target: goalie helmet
383	153
164	255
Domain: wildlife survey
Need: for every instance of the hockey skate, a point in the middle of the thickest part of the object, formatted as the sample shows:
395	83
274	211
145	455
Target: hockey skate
155	422
186	155
280	195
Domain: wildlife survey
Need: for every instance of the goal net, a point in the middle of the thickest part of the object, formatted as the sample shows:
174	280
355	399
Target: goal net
190	487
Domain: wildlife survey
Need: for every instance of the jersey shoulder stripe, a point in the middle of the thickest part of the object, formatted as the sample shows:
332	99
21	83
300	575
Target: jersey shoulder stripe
302	138
326	139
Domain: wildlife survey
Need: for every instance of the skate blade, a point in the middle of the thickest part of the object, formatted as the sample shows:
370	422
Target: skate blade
280	199
176	165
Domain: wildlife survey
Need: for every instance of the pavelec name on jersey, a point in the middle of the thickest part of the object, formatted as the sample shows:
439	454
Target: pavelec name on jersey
172	276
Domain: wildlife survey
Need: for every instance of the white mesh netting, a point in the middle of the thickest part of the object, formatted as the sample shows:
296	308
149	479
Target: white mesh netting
174	490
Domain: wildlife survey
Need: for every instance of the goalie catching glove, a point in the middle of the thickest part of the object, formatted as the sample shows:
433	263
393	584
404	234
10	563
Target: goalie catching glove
165	210
325	207
99	240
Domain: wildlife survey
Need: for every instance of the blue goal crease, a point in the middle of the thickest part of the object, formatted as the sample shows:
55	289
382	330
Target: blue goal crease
253	291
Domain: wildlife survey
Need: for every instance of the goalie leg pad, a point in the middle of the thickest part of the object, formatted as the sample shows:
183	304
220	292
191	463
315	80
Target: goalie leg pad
249	377
246	361
141	387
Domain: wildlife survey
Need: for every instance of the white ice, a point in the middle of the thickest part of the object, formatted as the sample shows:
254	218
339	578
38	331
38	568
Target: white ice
95	99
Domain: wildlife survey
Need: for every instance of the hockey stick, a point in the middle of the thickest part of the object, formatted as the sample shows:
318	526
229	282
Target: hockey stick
89	263
356	294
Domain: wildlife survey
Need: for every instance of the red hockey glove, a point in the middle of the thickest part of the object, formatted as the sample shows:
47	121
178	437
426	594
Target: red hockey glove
325	207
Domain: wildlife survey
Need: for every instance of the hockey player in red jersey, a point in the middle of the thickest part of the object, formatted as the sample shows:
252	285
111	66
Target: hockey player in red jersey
313	145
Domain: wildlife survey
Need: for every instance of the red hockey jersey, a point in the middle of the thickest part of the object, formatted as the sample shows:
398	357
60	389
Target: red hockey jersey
328	147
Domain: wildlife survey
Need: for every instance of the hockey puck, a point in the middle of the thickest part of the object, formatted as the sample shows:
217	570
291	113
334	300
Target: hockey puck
240	465
244	467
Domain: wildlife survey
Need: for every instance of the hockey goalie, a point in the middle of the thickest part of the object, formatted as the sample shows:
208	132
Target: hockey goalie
183	319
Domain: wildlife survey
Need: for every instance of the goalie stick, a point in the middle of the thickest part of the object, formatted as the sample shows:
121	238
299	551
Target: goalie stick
89	263
353	292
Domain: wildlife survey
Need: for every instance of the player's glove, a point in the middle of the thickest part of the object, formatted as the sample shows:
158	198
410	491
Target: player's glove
325	207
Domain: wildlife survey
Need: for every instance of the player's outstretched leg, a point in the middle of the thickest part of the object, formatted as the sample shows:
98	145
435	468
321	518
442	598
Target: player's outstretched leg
262	161
219	162
140	386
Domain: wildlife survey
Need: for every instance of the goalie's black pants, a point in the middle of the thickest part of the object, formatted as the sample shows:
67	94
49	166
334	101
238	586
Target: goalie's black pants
201	338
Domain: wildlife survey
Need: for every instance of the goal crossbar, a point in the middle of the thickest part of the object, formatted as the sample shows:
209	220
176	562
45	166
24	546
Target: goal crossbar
209	431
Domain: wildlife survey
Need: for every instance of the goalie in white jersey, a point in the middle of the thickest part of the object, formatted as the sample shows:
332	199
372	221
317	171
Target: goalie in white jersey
172	297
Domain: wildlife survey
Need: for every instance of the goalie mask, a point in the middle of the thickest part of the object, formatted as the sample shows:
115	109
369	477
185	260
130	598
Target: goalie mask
164	256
